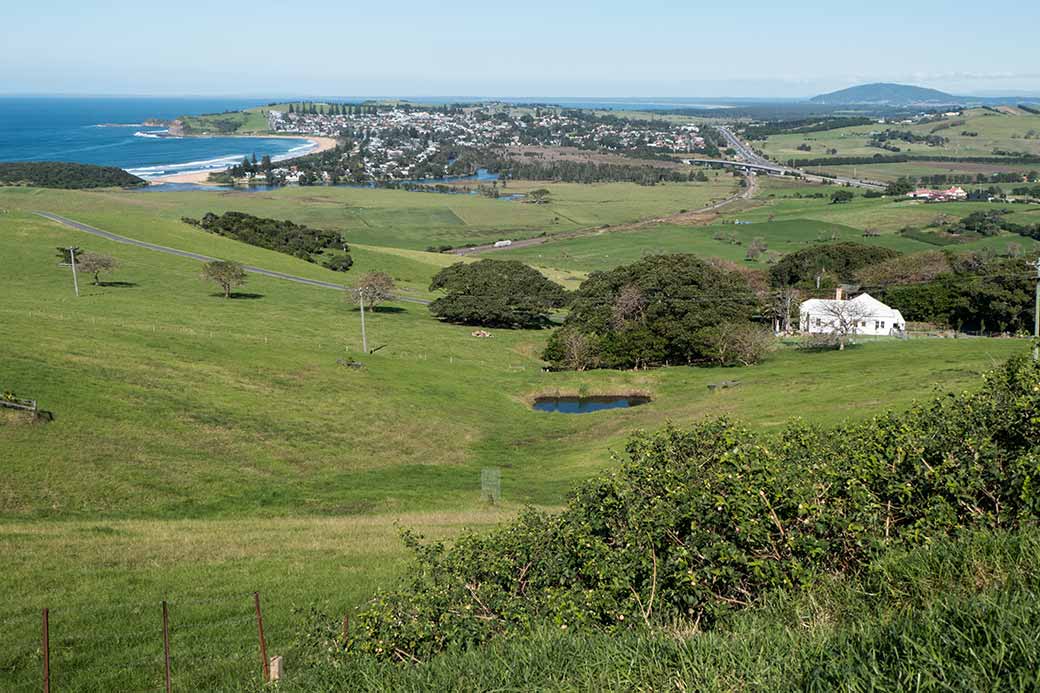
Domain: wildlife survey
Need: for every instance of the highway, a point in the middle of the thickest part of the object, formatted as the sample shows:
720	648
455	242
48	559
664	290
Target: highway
753	161
202	258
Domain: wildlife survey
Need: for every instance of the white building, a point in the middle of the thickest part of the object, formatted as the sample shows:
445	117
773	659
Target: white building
861	315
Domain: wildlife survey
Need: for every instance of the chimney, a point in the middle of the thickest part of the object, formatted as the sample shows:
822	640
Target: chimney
838	294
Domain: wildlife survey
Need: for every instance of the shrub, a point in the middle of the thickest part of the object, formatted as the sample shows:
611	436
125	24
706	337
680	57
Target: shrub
739	344
338	262
698	523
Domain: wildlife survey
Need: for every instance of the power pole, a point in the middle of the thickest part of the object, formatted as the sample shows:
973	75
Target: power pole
1036	315
364	337
75	279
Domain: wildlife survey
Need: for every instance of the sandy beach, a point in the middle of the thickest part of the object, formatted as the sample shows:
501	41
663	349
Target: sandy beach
201	177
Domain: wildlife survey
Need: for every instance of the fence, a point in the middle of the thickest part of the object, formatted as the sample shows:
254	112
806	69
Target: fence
188	644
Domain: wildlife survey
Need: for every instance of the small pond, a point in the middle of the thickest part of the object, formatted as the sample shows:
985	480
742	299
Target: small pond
584	405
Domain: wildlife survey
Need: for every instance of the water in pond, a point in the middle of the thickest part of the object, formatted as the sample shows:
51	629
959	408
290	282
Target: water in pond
584	405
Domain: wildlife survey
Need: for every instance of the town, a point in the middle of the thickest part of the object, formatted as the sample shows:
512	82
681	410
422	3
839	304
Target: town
403	142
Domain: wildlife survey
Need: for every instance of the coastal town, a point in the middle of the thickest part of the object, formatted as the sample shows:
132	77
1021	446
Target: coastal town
404	142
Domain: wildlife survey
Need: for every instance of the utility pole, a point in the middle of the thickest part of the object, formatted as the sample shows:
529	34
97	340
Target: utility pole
1036	315
364	337
75	279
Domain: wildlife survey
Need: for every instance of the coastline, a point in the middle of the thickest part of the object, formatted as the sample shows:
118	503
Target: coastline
202	177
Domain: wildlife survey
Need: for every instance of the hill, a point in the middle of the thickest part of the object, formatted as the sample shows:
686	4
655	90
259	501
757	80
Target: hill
60	174
886	94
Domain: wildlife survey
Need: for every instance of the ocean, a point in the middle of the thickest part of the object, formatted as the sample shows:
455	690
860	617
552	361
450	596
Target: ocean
108	132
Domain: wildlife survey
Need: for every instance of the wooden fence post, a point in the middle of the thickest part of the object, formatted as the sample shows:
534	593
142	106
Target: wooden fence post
263	644
166	643
46	651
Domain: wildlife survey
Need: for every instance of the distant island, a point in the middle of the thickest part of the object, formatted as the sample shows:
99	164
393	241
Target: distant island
65	174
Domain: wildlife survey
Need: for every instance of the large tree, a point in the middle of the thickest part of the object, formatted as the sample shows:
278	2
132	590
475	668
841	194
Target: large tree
654	312
227	273
495	293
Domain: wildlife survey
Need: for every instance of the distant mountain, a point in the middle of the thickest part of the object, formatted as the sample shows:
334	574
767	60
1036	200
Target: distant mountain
887	94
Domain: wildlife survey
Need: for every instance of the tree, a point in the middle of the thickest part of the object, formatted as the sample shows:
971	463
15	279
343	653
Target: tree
841	259
755	249
373	288
843	319
652	312
782	306
539	196
841	196
227	273
495	293
96	263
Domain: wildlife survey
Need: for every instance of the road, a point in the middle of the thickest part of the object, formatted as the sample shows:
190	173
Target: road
755	161
203	258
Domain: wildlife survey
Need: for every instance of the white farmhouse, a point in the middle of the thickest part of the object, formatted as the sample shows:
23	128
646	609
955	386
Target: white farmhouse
862	315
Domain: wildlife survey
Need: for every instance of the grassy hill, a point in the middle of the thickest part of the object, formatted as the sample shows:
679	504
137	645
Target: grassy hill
977	133
205	448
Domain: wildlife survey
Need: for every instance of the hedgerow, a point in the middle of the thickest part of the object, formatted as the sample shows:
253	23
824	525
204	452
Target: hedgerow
697	523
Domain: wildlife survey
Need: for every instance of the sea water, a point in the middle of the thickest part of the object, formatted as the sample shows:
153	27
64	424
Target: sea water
110	132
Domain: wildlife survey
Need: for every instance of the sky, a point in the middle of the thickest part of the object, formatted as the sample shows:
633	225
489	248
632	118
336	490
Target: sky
531	48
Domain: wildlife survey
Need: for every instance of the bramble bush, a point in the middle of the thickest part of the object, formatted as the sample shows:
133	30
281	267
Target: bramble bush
697	523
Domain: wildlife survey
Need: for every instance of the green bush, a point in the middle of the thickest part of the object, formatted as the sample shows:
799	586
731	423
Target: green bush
698	523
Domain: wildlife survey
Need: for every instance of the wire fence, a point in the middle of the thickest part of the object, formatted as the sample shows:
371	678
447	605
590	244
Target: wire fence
190	644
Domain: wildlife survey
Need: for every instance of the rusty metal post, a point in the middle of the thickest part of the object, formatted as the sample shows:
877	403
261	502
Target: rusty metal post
166	643
263	644
46	651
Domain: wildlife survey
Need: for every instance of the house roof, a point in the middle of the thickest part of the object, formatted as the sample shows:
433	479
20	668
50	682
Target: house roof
865	304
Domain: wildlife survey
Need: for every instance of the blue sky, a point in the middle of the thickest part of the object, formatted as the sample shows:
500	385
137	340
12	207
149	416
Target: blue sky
531	48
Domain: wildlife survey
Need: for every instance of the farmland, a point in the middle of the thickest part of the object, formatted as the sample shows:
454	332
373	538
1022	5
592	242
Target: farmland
1010	132
203	448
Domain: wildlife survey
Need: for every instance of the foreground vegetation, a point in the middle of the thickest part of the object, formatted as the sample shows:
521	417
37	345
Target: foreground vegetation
956	615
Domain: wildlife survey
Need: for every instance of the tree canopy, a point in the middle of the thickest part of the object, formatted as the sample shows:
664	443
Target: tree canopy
838	259
657	311
275	234
227	273
63	174
495	293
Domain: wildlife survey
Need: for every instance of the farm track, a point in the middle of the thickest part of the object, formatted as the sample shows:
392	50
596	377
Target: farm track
79	226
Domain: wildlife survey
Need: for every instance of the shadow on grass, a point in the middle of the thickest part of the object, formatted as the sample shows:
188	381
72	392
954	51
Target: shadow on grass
382	309
117	285
239	295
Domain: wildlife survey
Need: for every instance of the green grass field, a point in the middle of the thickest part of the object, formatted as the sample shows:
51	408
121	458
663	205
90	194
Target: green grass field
204	448
784	217
1008	132
389	218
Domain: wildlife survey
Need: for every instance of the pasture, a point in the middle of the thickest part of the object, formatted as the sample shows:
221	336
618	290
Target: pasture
205	448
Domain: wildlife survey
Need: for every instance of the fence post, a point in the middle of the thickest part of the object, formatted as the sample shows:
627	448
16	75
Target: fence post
166	643
346	628
46	651
263	645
